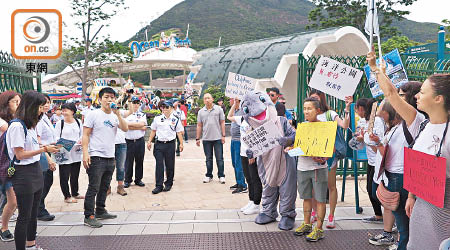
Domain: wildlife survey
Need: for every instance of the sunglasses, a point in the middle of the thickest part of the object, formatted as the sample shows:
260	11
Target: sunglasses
272	95
136	102
165	107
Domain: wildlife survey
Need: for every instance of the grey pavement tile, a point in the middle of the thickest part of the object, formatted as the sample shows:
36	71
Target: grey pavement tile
131	229
247	217
350	224
161	216
272	227
106	230
181	228
121	217
229	227
183	215
79	231
139	216
206	215
156	229
372	225
253	227
39	229
205	228
227	215
70	218
55	231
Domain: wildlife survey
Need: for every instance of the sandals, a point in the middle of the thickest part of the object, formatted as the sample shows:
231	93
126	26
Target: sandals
70	200
79	197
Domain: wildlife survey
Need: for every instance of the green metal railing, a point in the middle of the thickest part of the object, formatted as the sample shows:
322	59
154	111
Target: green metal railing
13	75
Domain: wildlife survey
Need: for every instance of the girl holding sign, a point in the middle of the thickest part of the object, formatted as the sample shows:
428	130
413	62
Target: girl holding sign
429	224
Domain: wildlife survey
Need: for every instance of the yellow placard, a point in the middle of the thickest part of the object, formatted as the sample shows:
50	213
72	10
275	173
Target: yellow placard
316	138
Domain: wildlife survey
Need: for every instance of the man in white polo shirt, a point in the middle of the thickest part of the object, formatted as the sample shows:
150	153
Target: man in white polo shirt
137	122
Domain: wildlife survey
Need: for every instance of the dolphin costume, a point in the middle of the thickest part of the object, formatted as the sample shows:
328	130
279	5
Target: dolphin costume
276	169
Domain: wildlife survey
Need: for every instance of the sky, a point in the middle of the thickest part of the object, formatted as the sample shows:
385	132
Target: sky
141	12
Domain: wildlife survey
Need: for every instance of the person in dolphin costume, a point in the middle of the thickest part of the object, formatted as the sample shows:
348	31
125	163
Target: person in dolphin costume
276	169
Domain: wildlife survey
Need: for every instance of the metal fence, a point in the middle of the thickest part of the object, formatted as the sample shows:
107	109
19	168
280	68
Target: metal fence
13	75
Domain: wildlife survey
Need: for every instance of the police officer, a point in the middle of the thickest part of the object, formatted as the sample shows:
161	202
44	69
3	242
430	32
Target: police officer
166	127
134	137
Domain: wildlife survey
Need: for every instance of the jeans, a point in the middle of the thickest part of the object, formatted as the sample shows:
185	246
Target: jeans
28	205
376	205
100	174
135	154
402	220
48	182
120	156
185	134
253	180
208	147
165	157
236	162
72	172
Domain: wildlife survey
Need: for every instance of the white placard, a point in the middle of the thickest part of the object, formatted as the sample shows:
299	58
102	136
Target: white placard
335	78
239	85
262	138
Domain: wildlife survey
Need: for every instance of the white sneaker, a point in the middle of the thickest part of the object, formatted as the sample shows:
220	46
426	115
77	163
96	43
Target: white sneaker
253	209
247	206
13	218
34	248
222	180
207	179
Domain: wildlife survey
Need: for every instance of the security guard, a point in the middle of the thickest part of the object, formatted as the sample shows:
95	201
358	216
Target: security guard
134	137
166	127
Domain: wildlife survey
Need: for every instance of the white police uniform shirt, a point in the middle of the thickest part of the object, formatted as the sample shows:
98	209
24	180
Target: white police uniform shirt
167	128
180	114
136	134
87	109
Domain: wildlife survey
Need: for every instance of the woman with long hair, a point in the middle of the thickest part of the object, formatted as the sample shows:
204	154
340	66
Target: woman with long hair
27	180
9	101
429	225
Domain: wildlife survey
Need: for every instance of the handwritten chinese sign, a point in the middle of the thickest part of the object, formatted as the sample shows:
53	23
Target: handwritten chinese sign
335	78
316	138
424	176
239	85
262	138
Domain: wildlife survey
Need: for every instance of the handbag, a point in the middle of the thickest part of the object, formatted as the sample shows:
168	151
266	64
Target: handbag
389	200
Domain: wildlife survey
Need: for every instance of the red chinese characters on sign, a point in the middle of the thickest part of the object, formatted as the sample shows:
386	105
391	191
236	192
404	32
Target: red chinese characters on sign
425	176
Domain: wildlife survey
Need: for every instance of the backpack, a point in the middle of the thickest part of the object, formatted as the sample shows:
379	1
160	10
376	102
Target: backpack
6	164
340	145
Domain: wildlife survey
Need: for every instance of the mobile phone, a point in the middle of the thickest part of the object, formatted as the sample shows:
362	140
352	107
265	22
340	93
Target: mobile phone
113	106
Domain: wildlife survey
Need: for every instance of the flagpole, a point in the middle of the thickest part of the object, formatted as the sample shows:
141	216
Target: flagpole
371	23
380	54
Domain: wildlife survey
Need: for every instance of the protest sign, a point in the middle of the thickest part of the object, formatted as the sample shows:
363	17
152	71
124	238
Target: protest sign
394	70
335	78
424	176
316	138
239	85
262	138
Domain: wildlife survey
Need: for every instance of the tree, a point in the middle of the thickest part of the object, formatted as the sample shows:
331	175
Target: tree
334	13
397	42
446	23
92	16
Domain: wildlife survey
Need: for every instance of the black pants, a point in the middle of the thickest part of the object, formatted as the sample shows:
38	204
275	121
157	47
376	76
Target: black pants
376	205
185	134
165	156
135	154
28	205
253	181
66	172
48	182
178	145
100	173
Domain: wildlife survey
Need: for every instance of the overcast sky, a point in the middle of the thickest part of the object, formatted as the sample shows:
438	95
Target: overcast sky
141	12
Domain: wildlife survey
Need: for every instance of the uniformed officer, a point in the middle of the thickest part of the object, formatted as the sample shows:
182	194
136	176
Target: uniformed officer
166	127
134	137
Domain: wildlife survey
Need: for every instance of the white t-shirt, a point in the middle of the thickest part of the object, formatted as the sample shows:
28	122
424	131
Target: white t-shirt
430	138
2	123
323	117
55	118
46	131
86	110
136	134
379	130
179	113
104	128
378	159
245	129
15	138
72	132
120	136
166	128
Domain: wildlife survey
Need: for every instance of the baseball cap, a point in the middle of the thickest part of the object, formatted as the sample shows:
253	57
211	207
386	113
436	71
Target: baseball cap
134	98
168	103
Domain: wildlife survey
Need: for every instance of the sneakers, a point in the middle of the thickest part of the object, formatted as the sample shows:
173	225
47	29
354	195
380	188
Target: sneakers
303	229
252	209
92	222
392	247
234	186
330	222
6	236
13	218
373	220
121	190
394	228
247	206
316	235
139	183
313	217
207	179
382	239
222	180
240	190
47	217
34	248
126	185
105	216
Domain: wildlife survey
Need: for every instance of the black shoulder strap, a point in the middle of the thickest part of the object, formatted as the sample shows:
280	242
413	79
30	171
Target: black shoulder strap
421	128
79	125
408	136
62	126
